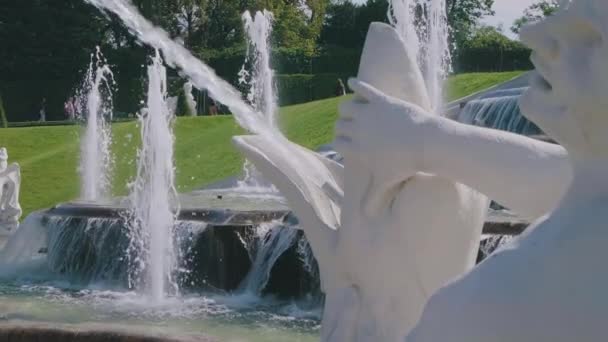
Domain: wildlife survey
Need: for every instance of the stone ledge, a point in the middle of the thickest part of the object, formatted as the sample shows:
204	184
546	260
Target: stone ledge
46	332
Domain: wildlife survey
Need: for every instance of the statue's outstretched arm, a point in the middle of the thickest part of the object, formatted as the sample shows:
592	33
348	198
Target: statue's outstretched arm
521	173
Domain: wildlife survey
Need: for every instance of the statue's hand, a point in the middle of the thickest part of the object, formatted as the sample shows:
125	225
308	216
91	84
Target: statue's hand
385	135
377	127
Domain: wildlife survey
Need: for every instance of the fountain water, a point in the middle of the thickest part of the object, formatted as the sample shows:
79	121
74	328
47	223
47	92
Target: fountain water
499	110
96	101
427	37
257	76
176	55
153	194
272	241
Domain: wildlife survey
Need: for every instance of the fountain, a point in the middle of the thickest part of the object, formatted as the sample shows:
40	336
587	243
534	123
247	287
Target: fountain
386	230
153	195
500	110
257	78
95	158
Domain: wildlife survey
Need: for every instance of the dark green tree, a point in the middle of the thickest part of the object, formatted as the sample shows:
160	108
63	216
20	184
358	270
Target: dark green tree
46	46
535	12
347	21
464	15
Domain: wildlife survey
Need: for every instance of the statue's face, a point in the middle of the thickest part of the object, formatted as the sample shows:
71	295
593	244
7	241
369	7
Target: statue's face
568	97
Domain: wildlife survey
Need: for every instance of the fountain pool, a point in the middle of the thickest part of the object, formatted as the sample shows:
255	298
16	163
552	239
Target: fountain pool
229	318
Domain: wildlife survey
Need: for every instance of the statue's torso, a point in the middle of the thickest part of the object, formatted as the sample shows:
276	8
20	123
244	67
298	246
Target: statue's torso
548	286
397	261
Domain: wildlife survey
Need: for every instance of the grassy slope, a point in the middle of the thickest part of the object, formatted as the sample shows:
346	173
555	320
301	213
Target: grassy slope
203	152
465	84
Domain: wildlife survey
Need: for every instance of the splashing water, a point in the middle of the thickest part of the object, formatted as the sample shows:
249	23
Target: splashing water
423	27
202	76
273	240
257	77
153	195
498	110
176	55
95	159
23	248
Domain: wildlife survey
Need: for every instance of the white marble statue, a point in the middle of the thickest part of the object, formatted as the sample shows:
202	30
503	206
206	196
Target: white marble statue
10	180
550	284
386	236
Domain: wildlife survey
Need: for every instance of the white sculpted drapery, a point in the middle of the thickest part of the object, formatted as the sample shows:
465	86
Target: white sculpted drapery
10	180
549	285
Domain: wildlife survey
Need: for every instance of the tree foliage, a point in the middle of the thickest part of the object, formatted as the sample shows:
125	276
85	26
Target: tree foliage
488	49
348	22
535	12
464	15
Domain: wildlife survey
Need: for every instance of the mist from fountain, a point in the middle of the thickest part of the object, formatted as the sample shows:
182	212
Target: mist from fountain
176	55
257	77
95	101
273	239
498	110
153	196
428	37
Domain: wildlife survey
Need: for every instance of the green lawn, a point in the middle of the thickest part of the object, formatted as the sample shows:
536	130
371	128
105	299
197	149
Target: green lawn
49	155
466	84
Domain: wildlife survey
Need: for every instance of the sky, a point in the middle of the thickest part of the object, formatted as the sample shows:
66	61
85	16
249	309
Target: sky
506	13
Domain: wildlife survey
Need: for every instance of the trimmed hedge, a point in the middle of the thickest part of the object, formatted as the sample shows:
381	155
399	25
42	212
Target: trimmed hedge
3	121
301	88
483	59
328	60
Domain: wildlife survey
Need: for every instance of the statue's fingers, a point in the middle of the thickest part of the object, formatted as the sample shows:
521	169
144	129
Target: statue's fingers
366	91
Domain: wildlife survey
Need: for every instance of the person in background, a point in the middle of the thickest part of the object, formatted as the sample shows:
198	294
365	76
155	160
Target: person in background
340	88
69	109
213	108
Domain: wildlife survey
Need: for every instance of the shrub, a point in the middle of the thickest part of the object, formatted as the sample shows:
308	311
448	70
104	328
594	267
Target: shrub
3	121
300	88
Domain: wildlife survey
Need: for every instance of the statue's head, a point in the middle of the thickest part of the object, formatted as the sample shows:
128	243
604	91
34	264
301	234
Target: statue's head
3	159
568	97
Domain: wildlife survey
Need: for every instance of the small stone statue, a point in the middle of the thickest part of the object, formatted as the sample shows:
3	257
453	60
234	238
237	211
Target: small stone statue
10	180
190	102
